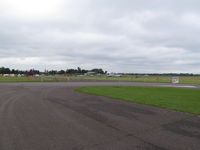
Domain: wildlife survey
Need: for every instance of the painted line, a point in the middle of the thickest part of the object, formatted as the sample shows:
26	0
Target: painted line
179	86
187	86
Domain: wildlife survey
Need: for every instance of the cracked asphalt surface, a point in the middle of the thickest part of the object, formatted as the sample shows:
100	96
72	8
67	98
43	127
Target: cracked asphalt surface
51	116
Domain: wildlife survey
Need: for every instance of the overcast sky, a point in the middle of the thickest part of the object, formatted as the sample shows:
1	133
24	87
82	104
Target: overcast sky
116	35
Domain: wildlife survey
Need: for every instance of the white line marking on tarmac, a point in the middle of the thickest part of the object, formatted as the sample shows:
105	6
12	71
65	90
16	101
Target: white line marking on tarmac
187	86
180	86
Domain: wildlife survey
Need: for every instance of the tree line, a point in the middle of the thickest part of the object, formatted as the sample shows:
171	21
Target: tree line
4	70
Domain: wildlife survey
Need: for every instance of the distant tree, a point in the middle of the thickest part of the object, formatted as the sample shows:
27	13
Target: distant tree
79	70
4	70
71	71
53	72
84	71
61	72
98	70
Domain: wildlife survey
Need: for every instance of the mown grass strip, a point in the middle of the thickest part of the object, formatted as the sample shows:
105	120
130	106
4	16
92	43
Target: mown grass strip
184	100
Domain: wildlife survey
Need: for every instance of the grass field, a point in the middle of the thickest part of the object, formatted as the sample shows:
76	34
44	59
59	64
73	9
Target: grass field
185	100
160	79
25	79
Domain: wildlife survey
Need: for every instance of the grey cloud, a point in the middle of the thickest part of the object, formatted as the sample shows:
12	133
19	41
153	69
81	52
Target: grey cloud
121	36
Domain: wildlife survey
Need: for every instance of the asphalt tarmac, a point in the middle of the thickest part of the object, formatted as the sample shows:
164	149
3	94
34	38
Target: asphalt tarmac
51	116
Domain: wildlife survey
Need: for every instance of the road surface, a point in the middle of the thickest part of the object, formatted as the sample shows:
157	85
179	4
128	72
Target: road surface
51	116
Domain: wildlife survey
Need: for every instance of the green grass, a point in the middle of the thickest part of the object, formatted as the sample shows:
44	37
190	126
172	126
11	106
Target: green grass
159	79
25	79
185	100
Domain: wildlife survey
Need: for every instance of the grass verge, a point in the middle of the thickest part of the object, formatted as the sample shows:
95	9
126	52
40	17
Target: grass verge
184	100
158	79
25	79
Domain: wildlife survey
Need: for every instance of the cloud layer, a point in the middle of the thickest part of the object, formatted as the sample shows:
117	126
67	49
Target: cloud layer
118	36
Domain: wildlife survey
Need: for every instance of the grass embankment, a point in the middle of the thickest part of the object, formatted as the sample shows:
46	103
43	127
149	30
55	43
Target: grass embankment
185	100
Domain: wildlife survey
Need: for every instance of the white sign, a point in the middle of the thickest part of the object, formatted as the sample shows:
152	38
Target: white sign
175	80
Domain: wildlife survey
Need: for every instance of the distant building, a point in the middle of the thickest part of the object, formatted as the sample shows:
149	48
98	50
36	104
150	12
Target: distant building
90	73
114	75
117	75
12	75
6	75
20	75
36	75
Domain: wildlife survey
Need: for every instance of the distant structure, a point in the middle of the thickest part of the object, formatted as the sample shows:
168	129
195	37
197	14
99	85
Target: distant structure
114	75
90	73
175	80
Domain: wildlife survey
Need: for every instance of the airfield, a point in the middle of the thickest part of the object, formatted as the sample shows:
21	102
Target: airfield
52	116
